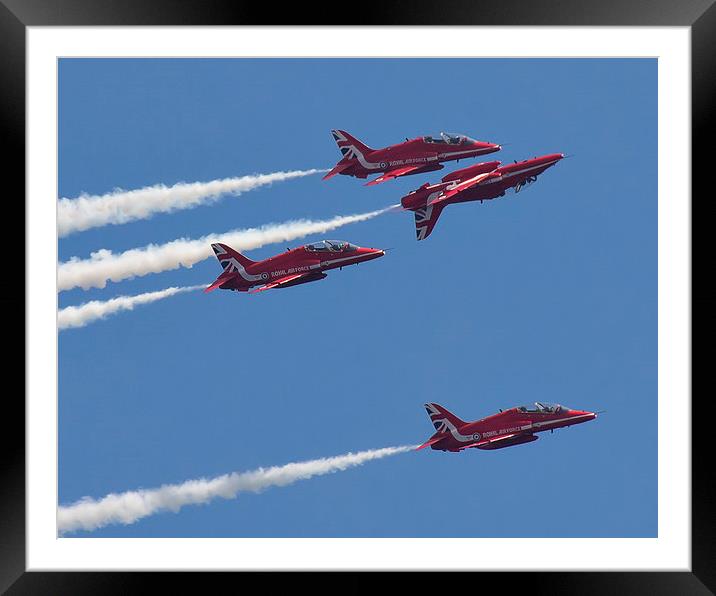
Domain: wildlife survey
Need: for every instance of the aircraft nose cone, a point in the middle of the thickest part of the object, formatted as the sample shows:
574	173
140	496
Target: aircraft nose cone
372	253
486	147
581	415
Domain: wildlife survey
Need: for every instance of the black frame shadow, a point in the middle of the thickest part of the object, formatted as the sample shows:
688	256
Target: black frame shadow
16	15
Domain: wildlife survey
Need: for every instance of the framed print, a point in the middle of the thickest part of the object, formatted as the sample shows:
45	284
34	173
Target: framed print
388	417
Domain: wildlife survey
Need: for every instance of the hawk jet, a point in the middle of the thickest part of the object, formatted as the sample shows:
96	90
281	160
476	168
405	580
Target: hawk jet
480	182
413	156
295	266
507	428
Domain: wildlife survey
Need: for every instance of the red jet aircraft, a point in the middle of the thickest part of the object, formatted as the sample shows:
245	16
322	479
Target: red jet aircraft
293	267
480	182
414	156
510	427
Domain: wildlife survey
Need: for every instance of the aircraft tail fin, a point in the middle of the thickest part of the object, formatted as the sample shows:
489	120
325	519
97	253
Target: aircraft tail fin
228	255
425	220
349	146
438	415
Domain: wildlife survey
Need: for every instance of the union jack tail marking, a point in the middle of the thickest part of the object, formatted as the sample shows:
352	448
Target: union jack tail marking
442	418
349	146
228	257
425	220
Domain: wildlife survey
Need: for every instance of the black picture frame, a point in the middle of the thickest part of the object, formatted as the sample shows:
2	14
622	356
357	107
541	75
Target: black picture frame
16	15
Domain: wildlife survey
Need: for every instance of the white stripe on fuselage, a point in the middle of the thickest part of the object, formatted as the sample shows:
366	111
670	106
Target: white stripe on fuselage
369	165
305	268
549	423
324	263
535	425
455	153
454	431
517	172
235	267
453	183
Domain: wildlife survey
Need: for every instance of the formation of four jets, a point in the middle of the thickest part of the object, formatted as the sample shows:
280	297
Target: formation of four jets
479	182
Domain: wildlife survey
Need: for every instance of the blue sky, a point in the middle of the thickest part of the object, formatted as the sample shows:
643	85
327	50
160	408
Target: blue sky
546	295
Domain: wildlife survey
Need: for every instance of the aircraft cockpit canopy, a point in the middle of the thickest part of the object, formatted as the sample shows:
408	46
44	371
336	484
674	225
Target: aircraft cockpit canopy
331	246
542	408
448	138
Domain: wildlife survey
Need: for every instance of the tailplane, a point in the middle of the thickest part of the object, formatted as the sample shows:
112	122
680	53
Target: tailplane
221	281
436	438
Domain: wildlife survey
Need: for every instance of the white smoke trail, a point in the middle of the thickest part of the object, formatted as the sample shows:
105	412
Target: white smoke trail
122	206
104	266
127	508
79	316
